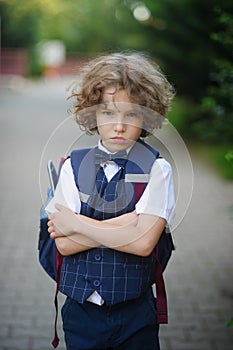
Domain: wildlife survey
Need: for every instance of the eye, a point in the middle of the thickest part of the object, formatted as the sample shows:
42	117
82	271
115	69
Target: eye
133	114
106	112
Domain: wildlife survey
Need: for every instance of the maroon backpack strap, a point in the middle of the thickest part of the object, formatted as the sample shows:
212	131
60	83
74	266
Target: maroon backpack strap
59	259
139	188
161	296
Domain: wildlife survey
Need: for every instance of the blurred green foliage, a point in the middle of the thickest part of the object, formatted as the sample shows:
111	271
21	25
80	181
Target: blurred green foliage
192	41
230	323
216	118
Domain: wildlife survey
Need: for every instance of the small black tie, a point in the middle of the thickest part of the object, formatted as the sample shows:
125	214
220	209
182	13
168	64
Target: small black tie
119	158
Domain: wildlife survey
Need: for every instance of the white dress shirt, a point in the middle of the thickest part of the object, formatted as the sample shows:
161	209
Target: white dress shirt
158	198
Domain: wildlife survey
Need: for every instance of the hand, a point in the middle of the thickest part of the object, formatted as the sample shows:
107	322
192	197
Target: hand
62	223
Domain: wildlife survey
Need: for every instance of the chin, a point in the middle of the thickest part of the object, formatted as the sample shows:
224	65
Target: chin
118	148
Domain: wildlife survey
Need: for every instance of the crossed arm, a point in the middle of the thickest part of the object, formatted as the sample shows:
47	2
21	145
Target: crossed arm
130	233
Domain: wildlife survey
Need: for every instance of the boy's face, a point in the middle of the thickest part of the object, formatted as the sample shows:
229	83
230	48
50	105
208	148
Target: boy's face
119	121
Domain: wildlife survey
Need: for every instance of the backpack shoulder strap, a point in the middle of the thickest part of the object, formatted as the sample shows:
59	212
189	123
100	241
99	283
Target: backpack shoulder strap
148	156
161	295
140	160
83	165
139	168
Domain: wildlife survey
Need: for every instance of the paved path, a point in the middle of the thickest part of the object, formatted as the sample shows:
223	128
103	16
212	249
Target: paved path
199	279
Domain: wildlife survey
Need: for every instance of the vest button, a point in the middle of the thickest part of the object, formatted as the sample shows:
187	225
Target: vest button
96	283
97	257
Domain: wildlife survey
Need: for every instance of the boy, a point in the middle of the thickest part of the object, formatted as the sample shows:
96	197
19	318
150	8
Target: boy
106	237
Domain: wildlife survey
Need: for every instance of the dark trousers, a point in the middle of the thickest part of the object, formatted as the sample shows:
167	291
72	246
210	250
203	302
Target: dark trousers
129	325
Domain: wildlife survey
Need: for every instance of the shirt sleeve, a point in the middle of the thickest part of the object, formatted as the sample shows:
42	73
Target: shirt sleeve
66	192
158	198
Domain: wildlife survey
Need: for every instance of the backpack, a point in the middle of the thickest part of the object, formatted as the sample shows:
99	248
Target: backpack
51	259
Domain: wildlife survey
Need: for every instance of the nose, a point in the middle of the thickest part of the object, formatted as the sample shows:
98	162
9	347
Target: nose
119	125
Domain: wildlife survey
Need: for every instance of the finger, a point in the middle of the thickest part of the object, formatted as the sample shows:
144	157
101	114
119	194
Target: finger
55	234
52	235
51	229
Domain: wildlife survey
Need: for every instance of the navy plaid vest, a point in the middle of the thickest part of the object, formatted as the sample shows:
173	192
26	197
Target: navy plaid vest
116	276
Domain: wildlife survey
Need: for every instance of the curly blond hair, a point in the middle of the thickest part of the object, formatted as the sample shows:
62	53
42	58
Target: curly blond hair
145	84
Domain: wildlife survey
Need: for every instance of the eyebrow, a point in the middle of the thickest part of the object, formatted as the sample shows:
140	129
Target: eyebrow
106	106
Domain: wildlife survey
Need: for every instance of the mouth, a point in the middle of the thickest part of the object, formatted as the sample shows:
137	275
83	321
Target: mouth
118	139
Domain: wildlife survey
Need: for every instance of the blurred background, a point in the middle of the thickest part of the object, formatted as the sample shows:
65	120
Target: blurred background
191	40
43	45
